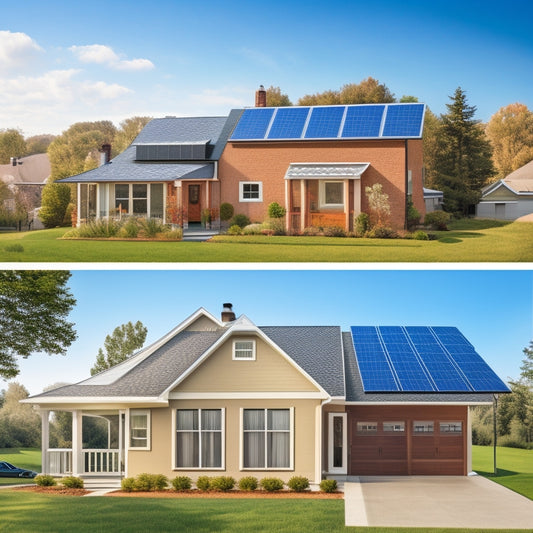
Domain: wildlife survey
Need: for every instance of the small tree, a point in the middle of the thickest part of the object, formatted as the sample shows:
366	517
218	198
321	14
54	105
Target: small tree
378	202
55	200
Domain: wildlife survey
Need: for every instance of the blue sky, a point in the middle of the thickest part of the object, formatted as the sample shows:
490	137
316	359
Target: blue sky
63	62
492	308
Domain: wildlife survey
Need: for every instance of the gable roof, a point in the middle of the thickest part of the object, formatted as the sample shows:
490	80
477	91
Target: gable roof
30	170
519	182
211	131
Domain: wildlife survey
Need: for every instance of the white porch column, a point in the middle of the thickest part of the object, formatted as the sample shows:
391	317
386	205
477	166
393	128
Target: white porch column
357	197
303	203
45	441
347	204
77	443
319	441
78	214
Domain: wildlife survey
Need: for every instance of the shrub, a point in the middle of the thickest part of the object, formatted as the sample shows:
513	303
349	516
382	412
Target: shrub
420	236
271	484
226	211
413	215
328	485
240	220
175	234
381	232
45	480
298	483
248	483
235	230
438	220
14	248
130	230
101	228
276	211
55	199
152	226
253	229
150	482
334	231
361	224
203	483
223	483
128	484
72	482
311	231
181	483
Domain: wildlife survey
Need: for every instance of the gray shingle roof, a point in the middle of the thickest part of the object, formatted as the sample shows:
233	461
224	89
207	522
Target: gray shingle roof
125	168
356	393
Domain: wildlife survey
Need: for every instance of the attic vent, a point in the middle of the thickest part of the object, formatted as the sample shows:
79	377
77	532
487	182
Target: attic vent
172	152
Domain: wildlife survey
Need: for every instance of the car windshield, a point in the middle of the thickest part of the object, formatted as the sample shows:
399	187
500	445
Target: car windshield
7	466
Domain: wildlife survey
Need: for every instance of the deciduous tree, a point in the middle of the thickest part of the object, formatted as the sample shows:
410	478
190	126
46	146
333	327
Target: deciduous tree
34	306
275	98
129	129
12	144
122	343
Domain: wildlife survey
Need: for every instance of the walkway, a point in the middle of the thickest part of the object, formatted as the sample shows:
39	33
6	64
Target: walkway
198	234
446	501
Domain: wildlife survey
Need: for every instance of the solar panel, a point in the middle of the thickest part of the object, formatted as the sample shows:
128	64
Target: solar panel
363	121
288	123
325	122
253	123
421	359
403	120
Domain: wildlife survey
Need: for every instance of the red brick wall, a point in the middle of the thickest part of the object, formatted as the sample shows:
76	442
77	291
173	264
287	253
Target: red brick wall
268	162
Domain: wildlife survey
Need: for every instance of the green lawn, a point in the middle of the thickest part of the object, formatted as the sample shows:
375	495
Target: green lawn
27	512
29	458
515	467
467	241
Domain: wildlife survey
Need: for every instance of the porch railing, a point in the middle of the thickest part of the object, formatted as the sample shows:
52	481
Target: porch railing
95	461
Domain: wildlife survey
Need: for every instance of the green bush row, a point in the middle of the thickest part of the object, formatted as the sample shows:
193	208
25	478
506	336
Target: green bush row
153	482
70	482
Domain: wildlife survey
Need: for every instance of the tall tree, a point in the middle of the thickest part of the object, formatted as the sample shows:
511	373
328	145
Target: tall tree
129	129
431	147
38	144
464	162
526	370
12	144
510	131
369	91
275	98
55	200
122	343
34	305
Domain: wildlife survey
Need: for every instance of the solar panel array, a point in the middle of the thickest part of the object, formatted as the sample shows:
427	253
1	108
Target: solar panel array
364	121
420	359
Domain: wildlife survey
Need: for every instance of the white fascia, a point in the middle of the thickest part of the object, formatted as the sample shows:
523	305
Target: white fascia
495	186
241	325
379	403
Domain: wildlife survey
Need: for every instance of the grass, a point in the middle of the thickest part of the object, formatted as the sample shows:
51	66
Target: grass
515	467
467	241
29	458
29	512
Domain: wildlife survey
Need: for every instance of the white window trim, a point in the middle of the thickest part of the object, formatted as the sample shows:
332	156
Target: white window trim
222	444
344	468
131	198
241	191
234	350
148	414
291	442
322	195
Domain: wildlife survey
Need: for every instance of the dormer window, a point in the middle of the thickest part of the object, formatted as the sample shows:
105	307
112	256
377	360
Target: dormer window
244	349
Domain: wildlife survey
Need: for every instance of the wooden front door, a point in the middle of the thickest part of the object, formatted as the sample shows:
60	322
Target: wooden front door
194	205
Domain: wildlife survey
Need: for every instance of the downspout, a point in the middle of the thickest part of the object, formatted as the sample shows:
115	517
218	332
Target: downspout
406	182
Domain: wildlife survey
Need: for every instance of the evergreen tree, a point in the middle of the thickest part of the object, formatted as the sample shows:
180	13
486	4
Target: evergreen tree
124	340
464	161
526	370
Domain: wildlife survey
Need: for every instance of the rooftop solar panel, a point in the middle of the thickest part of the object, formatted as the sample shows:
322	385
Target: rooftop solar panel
288	123
253	123
421	359
325	122
403	120
363	121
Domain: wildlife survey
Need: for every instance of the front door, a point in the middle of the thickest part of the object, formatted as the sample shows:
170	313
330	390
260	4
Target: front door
194	207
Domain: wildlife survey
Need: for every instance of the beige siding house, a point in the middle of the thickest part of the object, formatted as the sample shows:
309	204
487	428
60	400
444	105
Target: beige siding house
222	396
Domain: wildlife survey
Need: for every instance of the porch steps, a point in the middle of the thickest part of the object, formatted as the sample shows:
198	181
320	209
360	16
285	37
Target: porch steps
101	483
198	234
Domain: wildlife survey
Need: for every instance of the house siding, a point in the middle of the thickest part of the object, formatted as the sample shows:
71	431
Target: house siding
267	162
161	457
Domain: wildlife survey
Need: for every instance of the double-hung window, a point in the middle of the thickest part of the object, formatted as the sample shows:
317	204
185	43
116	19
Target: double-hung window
250	191
332	194
244	349
140	429
267	439
199	439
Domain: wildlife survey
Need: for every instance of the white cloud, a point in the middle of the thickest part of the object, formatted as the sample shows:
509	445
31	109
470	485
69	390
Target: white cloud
105	55
216	98
17	51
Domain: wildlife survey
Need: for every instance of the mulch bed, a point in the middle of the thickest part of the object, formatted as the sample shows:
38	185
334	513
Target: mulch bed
282	494
54	490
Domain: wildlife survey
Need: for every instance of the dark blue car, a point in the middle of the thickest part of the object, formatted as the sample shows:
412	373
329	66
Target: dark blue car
9	470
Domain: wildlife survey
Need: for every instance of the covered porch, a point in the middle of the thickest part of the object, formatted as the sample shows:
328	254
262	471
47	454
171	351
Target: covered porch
323	194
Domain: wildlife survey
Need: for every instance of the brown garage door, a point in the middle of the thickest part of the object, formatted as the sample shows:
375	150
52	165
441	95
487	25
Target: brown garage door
385	443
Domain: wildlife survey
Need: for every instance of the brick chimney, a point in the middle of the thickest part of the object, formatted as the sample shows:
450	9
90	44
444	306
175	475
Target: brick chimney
260	97
227	313
105	154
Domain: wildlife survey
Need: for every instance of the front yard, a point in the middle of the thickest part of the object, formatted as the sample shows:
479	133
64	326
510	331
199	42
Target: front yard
467	241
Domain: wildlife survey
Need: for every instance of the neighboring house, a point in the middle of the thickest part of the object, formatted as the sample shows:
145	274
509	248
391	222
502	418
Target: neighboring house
509	198
224	396
26	177
314	161
433	200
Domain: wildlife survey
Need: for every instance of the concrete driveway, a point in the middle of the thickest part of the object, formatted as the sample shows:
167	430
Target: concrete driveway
446	501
